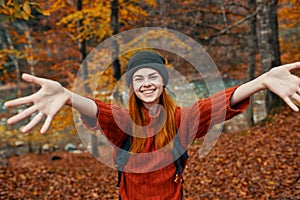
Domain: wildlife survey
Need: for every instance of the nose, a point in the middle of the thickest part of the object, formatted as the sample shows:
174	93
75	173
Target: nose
147	83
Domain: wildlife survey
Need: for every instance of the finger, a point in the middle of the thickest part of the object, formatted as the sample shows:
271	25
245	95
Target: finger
32	79
296	99
36	119
292	66
290	103
46	124
19	101
25	113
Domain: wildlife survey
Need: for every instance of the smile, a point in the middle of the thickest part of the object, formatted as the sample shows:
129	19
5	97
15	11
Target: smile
148	91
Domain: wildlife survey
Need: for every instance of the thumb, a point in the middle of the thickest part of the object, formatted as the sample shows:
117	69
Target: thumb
32	79
291	66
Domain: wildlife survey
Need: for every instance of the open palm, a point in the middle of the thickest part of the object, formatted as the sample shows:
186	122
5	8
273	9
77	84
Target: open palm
47	101
282	82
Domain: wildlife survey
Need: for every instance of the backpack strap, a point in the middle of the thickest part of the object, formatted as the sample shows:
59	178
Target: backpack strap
122	158
177	152
181	154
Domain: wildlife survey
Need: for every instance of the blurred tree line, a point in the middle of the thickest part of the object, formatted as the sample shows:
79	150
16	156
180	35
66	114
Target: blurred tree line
52	38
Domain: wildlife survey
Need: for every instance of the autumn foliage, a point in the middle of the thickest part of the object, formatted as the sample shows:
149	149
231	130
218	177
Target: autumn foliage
43	38
289	24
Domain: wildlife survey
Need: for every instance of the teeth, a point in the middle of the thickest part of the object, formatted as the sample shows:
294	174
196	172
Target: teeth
148	91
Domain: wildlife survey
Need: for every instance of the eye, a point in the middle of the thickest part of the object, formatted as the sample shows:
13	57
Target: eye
154	77
138	79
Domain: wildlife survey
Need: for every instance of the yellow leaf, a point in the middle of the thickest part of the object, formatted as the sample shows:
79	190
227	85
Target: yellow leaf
25	15
26	7
46	13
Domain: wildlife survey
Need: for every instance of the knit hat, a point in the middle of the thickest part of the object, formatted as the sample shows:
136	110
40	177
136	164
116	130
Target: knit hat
145	59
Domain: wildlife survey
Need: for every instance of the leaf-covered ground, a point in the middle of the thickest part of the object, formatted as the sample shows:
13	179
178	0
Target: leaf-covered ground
259	163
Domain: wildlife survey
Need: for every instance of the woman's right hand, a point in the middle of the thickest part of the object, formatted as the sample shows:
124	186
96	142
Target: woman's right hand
48	101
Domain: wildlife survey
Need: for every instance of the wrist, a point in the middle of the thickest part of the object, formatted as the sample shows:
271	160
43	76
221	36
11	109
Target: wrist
260	82
68	94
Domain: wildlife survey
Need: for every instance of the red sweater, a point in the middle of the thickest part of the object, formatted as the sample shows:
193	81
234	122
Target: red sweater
150	174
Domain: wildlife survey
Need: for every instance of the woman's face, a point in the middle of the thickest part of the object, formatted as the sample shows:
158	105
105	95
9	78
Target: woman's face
147	85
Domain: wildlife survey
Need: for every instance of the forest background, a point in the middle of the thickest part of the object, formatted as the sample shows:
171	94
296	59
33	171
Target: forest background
244	38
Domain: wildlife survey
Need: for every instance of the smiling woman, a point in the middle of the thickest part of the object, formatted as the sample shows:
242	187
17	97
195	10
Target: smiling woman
153	122
148	86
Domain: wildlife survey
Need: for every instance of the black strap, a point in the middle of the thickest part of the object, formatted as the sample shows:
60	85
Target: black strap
122	158
181	156
178	152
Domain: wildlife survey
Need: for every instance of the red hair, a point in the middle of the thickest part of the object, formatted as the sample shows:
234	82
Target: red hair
165	135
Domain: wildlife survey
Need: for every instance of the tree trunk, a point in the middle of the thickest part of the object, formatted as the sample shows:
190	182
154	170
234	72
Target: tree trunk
275	36
40	150
268	45
16	63
83	54
30	149
273	102
82	47
114	25
264	35
252	45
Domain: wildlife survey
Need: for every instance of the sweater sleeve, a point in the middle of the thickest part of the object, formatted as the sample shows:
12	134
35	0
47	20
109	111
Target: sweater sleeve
111	120
199	118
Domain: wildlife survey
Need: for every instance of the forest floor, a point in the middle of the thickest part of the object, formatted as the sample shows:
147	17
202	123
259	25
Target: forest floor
257	163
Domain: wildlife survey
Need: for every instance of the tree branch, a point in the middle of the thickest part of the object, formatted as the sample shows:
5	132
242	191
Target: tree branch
223	31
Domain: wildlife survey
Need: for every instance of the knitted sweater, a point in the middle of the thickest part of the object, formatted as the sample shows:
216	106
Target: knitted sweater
150	174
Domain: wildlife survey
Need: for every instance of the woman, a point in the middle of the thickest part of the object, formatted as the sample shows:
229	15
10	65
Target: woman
152	121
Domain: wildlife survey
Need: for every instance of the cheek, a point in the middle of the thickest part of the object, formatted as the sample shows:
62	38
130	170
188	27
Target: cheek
160	90
136	86
158	82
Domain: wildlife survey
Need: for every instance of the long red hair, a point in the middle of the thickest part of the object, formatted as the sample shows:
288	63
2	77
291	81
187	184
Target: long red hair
167	132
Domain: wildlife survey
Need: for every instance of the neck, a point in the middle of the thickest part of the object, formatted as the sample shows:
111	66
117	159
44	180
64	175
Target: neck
151	107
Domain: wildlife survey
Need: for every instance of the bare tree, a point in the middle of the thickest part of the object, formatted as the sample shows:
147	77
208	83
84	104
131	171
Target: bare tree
114	24
268	44
84	75
251	48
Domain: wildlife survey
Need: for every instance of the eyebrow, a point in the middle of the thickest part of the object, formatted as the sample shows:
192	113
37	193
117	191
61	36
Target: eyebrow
154	73
137	75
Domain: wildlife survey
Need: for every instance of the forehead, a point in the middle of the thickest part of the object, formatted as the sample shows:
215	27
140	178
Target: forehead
145	71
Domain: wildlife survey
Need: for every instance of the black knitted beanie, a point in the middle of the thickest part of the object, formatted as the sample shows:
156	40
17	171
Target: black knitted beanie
144	59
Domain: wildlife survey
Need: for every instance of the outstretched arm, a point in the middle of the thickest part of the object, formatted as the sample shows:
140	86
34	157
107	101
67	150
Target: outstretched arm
279	80
48	101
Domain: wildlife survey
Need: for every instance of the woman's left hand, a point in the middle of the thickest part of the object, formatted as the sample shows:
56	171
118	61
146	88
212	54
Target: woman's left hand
282	82
279	80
